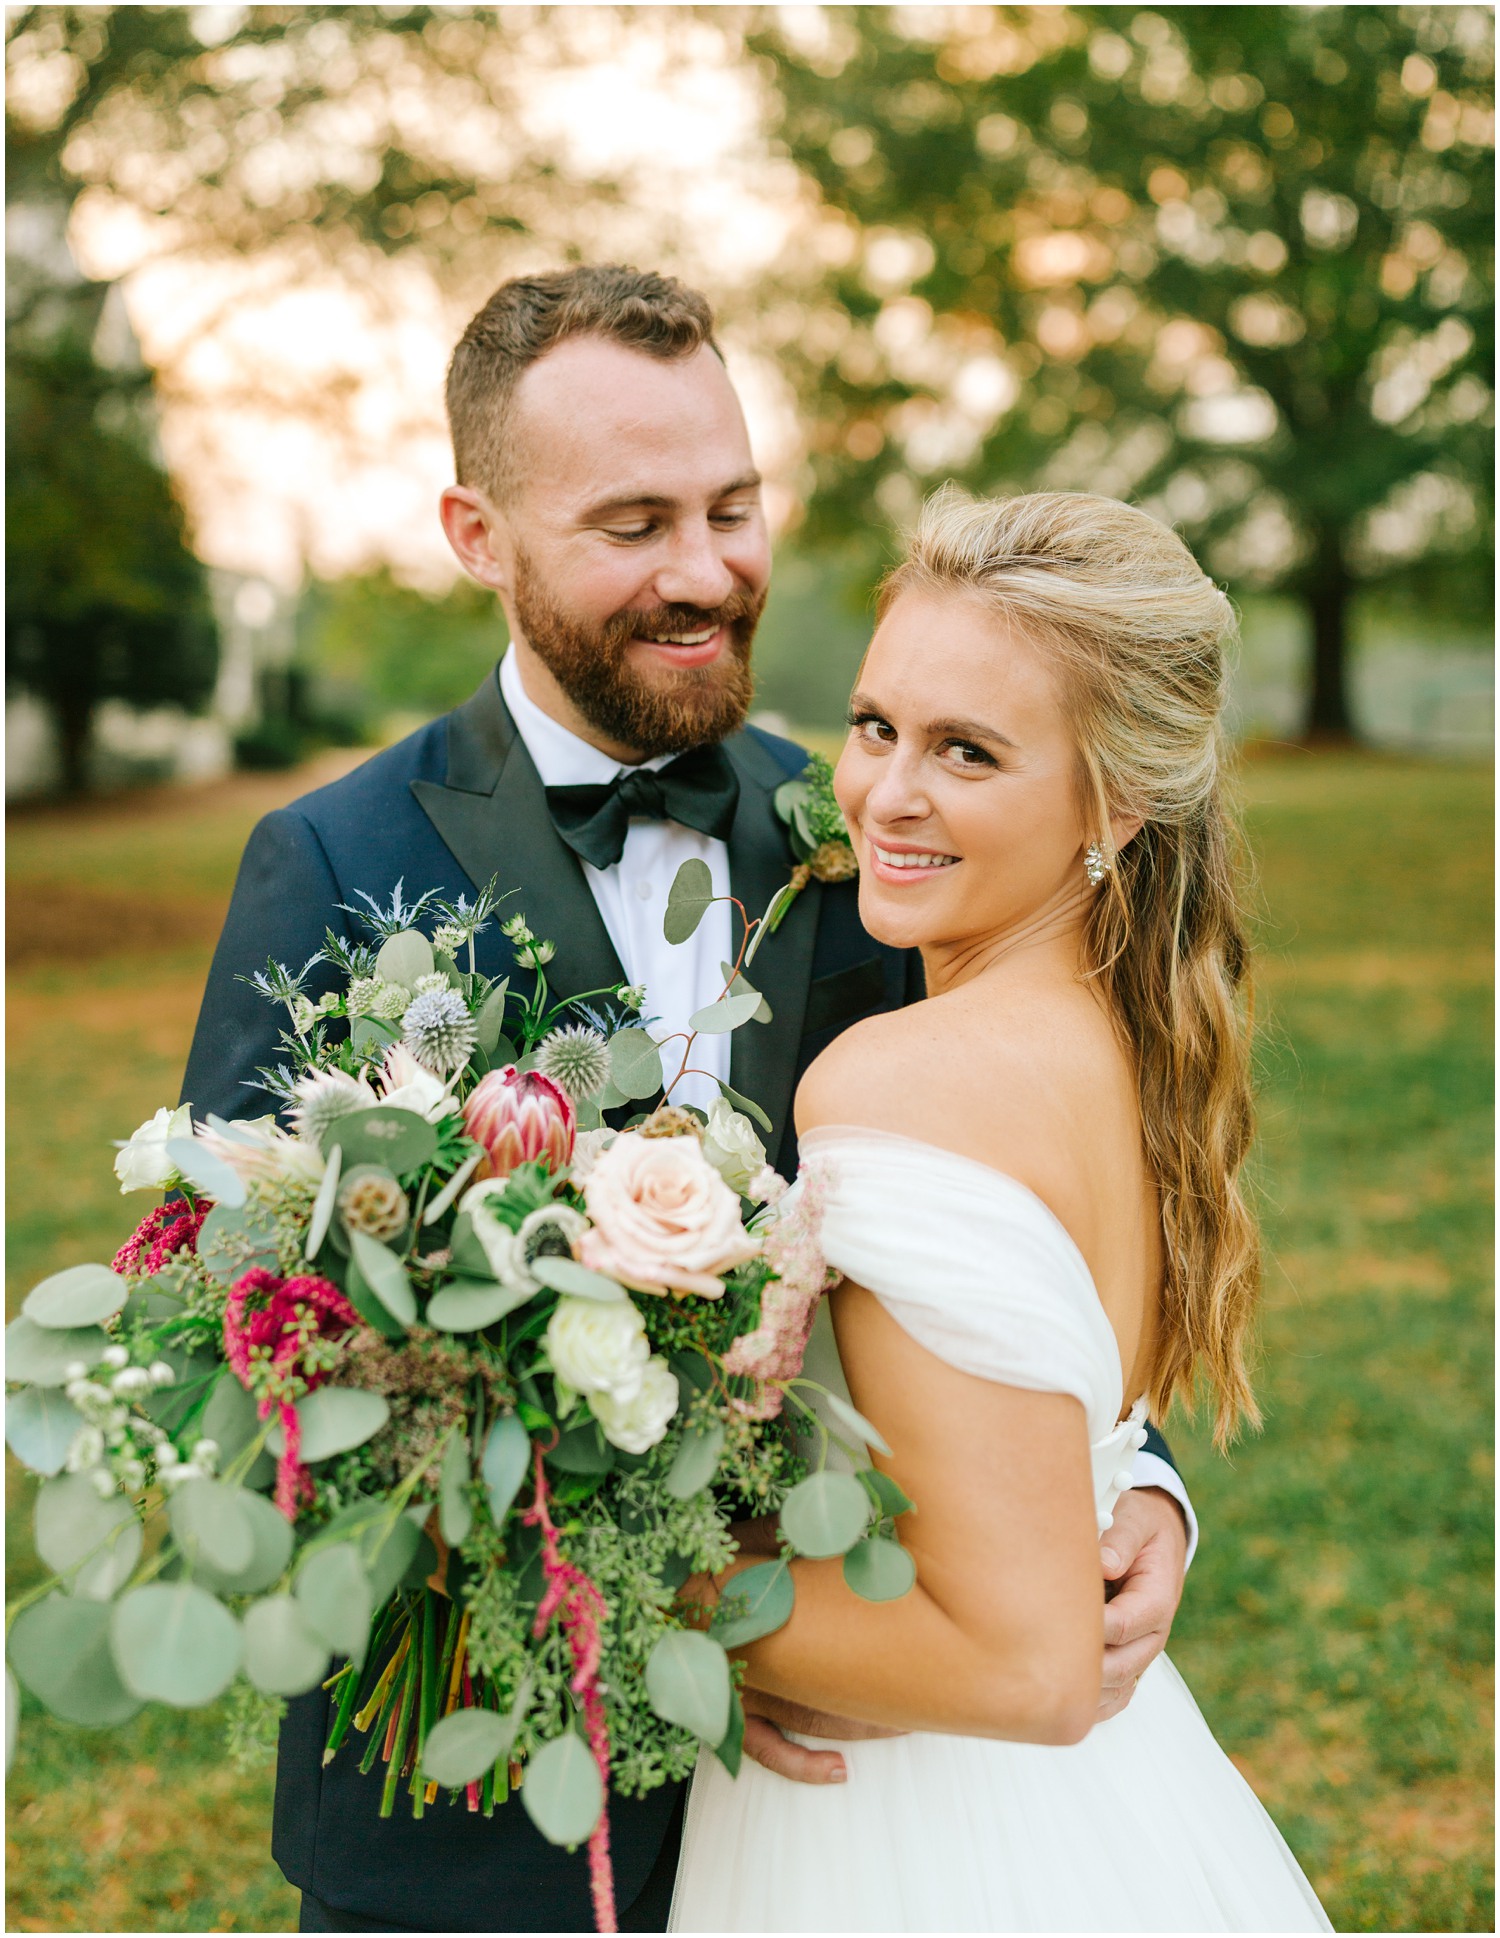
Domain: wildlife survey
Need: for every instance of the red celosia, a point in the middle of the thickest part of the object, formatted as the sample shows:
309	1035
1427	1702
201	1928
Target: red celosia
170	1228
284	1315
583	1609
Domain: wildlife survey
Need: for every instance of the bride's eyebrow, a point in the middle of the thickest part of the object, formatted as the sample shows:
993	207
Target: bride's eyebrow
860	704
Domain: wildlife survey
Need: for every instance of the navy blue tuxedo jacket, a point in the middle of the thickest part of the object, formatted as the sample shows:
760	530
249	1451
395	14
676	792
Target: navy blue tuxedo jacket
458	802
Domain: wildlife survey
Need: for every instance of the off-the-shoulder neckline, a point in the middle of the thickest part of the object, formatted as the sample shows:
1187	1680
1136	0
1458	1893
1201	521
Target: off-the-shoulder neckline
995	1176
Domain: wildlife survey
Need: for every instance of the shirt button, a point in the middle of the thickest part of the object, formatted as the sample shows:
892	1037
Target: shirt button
643	889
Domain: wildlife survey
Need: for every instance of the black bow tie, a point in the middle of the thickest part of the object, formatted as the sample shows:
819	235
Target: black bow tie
699	789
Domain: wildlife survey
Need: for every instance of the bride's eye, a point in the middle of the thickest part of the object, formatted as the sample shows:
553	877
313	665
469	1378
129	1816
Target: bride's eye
870	728
970	758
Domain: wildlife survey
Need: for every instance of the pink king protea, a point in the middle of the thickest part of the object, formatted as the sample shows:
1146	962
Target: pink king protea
519	1119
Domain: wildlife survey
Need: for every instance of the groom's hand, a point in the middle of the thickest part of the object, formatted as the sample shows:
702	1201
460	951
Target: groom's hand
1144	1555
767	1716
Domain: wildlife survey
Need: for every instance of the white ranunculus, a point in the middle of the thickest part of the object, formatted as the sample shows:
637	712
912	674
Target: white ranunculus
599	1349
732	1147
143	1164
635	1426
408	1086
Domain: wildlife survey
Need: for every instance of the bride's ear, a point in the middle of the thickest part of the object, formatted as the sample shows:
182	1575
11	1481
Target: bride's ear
1123	829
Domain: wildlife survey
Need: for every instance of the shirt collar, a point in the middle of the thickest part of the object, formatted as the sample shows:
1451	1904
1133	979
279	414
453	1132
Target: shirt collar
560	757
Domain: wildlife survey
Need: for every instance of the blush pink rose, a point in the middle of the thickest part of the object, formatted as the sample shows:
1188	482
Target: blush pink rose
663	1218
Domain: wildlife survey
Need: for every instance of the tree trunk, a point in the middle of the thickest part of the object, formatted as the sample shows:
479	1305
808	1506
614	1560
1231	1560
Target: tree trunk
1326	595
74	713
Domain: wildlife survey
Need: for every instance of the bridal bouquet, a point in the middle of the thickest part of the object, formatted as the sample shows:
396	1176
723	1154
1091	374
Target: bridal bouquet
437	1391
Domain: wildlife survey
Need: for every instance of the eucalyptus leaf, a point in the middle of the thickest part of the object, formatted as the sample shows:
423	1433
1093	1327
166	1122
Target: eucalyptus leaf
567	1275
152	1300
461	1747
170	1406
94	1544
42	1354
635	1063
688	900
232	1420
825	1514
563	1792
84	1295
768	924
271	1549
688	1682
455	1510
323	1204
468	1305
39	1427
388	1553
730	1751
489	1023
582	1449
236	1238
404	958
59	1648
879	1570
697	1458
209	1173
385	1275
890	1500
334	1593
741	985
333	1419
746	1104
365	1303
728	1013
507	1456
398	1140
283	1655
175	1643
468	1254
756	1602
208	1523
452	1188
856	1422
369	1035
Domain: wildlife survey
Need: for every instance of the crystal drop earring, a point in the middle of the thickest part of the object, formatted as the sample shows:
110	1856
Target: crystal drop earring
1096	863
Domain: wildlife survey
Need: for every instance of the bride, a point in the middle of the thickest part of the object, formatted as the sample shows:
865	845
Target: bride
1032	1194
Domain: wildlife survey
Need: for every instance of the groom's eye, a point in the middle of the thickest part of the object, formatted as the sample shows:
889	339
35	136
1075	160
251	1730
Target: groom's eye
629	534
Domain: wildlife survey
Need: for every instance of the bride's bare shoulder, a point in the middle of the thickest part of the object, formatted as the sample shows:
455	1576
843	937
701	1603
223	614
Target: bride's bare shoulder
1009	1085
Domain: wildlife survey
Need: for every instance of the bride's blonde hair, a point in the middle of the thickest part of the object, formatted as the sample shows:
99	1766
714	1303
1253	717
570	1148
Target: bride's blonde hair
1137	632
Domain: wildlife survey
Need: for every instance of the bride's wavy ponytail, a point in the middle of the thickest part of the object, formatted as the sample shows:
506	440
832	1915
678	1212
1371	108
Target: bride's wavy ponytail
1137	631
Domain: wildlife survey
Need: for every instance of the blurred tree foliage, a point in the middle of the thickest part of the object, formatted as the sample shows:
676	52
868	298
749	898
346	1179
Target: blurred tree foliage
368	639
1233	262
103	598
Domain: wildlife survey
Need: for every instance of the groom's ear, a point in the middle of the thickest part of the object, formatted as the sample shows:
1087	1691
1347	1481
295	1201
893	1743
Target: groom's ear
481	537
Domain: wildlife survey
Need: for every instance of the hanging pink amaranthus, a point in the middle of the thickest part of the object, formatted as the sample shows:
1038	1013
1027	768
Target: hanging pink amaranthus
583	1609
285	1316
170	1228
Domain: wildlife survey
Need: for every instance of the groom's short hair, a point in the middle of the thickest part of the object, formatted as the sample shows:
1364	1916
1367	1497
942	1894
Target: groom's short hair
529	316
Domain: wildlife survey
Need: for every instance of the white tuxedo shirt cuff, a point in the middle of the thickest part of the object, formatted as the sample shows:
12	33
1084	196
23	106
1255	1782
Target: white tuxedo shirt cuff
1152	1471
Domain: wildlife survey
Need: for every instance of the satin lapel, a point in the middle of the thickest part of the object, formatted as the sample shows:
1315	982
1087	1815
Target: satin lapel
492	816
763	1056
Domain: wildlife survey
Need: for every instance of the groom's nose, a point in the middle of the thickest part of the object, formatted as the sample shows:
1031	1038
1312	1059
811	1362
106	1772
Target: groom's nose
694	571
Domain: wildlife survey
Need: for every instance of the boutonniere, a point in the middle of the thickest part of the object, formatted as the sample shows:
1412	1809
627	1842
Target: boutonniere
819	836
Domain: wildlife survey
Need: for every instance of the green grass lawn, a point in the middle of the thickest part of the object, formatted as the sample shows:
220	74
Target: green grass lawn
1337	1625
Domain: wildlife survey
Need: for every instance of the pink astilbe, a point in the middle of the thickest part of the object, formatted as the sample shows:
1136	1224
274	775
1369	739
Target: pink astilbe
268	1325
774	1351
583	1608
169	1229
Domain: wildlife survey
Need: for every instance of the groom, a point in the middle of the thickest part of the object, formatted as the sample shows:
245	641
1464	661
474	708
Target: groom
608	497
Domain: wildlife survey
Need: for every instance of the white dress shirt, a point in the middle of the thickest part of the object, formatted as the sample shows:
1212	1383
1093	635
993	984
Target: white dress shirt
631	896
681	977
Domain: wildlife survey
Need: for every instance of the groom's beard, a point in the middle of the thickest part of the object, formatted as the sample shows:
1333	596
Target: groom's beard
690	707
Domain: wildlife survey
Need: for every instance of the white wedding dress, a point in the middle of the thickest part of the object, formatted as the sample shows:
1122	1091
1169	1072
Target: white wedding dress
1145	1825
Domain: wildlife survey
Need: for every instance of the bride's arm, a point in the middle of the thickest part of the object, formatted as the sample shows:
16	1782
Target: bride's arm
1003	1634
